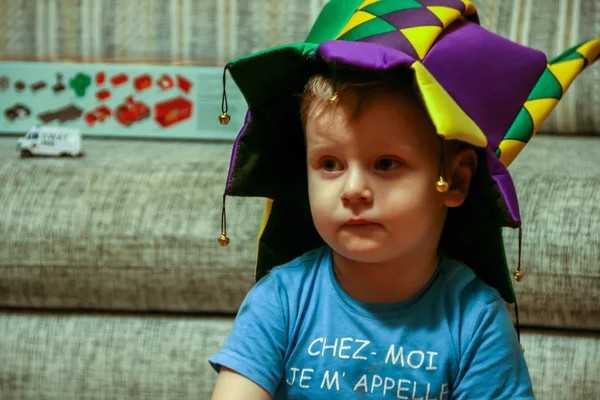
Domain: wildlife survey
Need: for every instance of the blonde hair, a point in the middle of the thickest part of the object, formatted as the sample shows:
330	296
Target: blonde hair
365	84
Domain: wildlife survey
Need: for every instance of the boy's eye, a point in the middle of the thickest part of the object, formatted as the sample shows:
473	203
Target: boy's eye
387	163
331	164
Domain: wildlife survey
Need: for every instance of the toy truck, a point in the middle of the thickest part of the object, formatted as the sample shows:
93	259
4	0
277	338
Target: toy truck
99	114
47	141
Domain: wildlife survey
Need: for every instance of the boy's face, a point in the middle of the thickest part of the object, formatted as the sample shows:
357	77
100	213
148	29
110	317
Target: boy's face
371	178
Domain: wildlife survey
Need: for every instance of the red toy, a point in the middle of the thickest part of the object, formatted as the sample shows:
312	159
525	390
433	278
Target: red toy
103	94
142	82
119	79
99	114
103	113
165	82
100	77
131	111
90	118
184	84
172	111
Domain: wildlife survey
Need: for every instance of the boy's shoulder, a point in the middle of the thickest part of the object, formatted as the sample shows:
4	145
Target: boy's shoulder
463	285
291	285
295	272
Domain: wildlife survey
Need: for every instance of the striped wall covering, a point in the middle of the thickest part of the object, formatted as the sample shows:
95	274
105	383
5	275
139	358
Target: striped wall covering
210	32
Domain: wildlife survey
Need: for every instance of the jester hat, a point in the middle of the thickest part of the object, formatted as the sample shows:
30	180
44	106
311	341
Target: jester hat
477	87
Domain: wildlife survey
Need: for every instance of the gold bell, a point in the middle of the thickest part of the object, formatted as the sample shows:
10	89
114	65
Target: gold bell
334	99
224	240
224	118
441	185
519	275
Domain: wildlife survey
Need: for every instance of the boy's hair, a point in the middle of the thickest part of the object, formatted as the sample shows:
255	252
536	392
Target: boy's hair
365	84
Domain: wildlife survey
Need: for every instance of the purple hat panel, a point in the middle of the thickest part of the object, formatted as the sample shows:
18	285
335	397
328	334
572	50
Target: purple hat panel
458	4
363	55
501	176
487	75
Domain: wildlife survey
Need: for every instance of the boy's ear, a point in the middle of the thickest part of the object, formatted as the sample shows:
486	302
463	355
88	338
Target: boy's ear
461	170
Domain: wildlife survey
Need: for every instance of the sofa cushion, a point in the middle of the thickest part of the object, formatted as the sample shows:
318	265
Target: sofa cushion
133	226
558	182
70	356
67	357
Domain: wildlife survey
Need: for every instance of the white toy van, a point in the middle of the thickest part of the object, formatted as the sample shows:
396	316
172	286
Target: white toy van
46	141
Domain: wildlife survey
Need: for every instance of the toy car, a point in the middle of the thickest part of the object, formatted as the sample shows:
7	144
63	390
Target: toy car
131	111
99	114
47	141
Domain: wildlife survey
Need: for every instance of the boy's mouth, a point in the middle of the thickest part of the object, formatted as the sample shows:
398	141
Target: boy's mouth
358	221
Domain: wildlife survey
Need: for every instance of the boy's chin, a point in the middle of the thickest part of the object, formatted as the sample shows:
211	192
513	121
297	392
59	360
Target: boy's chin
369	253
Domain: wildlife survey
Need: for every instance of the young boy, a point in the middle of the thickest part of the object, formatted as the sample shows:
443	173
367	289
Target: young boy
388	192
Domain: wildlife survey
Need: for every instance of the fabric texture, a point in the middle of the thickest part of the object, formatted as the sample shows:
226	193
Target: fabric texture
135	228
50	356
77	356
559	186
298	334
132	225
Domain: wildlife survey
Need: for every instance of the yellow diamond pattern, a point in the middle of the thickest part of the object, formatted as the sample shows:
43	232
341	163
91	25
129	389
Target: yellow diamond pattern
359	17
590	50
539	110
510	149
440	105
422	38
566	71
367	3
469	7
445	14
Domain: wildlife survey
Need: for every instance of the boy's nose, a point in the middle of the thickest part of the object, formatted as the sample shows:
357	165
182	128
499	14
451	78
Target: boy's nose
356	188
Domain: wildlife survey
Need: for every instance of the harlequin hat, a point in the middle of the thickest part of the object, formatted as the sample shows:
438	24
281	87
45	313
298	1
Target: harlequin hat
477	87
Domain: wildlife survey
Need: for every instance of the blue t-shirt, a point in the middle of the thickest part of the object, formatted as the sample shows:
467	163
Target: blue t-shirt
299	335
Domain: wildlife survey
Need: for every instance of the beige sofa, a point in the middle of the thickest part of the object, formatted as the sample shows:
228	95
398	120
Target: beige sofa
113	285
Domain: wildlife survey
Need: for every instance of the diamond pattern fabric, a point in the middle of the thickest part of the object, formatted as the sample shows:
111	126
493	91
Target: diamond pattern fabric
547	87
412	18
421	22
372	27
552	85
394	40
384	7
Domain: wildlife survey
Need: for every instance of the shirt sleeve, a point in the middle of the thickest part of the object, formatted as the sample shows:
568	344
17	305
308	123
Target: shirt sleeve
492	365
256	345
